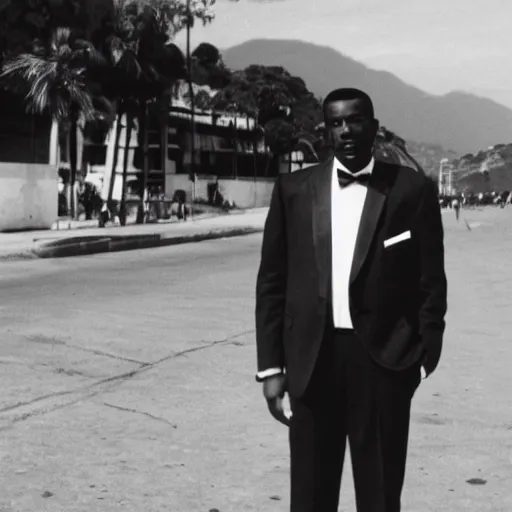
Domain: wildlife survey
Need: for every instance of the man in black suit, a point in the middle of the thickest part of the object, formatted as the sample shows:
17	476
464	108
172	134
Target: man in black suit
350	306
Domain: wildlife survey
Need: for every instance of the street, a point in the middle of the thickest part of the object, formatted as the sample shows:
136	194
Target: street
127	383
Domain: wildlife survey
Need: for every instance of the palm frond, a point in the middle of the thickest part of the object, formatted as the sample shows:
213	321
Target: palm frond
37	74
60	39
55	82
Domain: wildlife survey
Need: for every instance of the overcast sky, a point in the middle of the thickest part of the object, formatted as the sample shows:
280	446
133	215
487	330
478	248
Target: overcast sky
437	45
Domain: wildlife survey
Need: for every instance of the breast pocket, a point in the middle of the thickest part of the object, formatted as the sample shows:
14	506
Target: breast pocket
398	240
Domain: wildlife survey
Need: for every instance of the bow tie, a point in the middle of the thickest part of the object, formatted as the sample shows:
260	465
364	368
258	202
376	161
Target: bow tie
345	178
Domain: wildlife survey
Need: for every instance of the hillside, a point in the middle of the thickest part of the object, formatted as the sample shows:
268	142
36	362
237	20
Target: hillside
460	121
486	171
429	155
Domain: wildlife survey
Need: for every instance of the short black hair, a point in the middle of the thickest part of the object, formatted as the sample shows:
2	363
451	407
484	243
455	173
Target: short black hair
349	93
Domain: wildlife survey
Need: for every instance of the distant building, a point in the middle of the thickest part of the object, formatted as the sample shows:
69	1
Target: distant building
227	146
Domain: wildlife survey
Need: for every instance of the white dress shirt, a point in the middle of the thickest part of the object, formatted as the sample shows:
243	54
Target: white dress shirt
346	208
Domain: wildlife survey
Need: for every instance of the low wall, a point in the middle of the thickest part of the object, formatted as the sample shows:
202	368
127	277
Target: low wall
247	192
28	196
244	192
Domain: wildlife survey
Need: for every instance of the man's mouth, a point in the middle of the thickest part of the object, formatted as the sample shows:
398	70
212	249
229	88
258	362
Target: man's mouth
348	147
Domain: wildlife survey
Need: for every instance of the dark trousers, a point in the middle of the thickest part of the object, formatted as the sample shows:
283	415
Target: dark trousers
349	395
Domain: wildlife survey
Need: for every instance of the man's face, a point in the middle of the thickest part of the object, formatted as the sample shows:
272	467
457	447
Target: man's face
351	131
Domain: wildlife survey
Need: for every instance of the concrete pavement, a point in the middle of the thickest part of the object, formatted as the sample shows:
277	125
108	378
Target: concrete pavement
92	240
127	383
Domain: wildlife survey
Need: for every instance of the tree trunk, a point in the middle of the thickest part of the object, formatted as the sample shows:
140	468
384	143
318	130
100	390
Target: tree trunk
235	155
145	166
113	174
165	103
129	128
254	159
73	163
54	144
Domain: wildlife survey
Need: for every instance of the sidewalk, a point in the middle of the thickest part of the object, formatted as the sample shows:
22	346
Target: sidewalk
77	242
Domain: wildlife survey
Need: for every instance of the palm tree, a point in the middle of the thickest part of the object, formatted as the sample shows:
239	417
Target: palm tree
54	80
163	64
120	48
143	66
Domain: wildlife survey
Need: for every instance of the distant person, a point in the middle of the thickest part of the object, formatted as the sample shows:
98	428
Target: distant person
456	207
350	306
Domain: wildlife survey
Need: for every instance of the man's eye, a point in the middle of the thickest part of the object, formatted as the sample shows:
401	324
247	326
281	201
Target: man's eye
350	121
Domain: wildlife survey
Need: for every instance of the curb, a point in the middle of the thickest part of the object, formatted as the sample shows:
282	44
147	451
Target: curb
18	256
83	246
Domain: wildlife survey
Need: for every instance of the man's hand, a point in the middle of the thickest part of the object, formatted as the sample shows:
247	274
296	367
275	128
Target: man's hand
274	389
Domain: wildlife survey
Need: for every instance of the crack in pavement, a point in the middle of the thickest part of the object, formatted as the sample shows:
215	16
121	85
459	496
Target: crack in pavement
15	413
211	344
56	341
108	354
135	411
42	411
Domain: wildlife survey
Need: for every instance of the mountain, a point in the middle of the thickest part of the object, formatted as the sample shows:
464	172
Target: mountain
459	121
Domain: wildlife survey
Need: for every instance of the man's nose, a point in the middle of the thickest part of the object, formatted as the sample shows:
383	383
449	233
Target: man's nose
345	128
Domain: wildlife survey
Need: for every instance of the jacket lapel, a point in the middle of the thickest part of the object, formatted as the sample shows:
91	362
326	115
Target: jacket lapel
378	189
321	180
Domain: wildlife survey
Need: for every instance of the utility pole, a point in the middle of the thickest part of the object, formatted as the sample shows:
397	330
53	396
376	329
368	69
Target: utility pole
440	179
442	189
192	172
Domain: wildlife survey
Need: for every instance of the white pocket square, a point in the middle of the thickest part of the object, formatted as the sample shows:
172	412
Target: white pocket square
406	235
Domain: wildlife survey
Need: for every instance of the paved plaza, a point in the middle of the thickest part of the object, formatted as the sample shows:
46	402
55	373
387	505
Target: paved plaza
127	383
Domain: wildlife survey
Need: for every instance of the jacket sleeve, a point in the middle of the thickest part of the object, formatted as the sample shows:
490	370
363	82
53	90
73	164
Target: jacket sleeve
271	286
433	284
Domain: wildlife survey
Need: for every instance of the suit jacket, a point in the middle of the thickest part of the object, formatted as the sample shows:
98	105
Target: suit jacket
397	293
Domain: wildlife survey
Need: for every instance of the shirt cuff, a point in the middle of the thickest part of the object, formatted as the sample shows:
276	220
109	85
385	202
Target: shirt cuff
260	376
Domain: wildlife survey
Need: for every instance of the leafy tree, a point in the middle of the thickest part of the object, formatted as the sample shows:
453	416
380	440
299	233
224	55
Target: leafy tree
208	68
207	55
281	103
202	100
23	21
